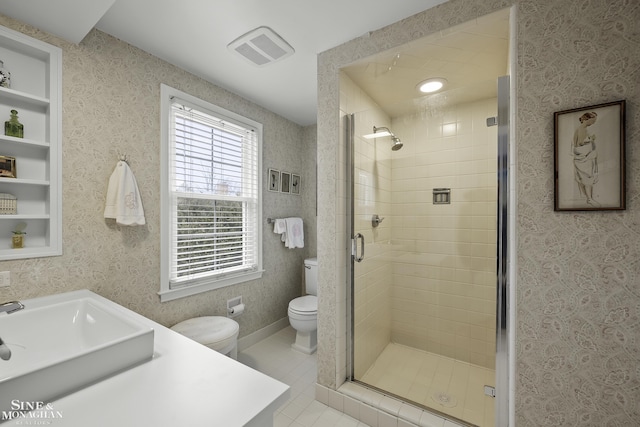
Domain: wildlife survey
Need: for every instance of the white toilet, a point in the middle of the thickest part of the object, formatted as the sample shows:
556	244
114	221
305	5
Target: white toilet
303	311
216	332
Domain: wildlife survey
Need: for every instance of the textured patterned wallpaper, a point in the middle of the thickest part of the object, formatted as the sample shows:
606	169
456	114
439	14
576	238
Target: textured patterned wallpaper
111	105
578	279
578	290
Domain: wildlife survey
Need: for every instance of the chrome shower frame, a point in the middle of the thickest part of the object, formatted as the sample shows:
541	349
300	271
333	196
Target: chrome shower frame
351	239
502	279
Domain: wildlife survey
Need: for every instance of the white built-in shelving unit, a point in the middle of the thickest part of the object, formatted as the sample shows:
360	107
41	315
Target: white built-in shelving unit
36	93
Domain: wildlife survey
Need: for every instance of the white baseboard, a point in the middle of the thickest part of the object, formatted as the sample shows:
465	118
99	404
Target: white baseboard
257	336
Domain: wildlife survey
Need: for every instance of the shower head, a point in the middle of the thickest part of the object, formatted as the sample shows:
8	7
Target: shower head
397	144
381	132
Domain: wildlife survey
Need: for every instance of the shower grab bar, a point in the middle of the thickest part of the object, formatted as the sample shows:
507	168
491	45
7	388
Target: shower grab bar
354	249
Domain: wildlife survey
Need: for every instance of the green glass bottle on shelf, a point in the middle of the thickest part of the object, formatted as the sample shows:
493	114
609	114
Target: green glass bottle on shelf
13	127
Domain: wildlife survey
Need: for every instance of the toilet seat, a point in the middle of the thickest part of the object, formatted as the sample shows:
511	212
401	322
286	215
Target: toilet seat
306	305
216	332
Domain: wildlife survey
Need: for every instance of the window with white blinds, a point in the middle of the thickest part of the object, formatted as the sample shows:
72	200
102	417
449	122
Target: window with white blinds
213	192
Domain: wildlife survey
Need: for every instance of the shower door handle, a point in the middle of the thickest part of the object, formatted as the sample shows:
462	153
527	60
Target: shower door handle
354	250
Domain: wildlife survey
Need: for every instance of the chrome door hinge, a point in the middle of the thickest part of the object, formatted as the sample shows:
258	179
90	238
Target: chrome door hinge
490	391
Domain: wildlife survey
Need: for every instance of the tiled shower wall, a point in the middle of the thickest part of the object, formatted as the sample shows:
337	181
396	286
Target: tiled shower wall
428	276
444	279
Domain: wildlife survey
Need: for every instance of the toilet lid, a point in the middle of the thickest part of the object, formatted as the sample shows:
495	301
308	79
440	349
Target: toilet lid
208	330
305	304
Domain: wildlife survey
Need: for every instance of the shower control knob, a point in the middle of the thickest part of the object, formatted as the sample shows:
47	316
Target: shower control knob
376	220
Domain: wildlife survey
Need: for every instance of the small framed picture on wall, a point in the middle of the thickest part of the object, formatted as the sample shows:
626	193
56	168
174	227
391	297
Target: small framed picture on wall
285	182
274	180
295	184
590	158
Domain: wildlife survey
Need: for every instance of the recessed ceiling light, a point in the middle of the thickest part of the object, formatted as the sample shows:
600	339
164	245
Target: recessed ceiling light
431	85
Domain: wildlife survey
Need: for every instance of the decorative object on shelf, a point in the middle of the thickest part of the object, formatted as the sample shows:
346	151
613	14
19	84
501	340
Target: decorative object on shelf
8	204
17	241
5	76
36	82
8	167
13	127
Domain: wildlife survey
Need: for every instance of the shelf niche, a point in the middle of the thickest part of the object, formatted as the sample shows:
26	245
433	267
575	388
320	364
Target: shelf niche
36	92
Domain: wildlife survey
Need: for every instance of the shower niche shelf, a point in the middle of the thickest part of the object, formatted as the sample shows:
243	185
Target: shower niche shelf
36	92
441	196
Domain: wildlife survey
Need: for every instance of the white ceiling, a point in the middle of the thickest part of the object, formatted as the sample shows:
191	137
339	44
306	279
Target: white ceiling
469	56
193	34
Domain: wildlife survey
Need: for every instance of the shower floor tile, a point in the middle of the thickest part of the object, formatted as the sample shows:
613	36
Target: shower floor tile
447	385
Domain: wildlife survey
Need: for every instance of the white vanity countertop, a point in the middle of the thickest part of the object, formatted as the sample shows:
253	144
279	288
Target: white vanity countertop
185	384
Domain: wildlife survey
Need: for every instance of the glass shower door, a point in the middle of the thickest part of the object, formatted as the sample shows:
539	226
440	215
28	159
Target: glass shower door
424	266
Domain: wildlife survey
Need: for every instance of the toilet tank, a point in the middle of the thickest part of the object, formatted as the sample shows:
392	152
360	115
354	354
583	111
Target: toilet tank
311	276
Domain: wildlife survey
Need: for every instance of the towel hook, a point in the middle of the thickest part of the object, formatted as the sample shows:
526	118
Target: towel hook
123	158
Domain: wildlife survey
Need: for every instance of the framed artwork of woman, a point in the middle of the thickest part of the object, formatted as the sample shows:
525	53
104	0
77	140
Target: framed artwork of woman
590	158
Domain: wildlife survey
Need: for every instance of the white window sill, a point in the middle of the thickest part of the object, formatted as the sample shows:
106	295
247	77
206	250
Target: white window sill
172	294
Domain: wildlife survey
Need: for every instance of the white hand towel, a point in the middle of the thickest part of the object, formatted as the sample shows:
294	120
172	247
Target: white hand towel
280	227
124	203
295	233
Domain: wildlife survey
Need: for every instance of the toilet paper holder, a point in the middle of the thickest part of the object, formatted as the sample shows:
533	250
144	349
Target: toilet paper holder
235	307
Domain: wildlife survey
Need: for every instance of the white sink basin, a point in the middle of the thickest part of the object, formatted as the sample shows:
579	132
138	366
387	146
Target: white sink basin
65	342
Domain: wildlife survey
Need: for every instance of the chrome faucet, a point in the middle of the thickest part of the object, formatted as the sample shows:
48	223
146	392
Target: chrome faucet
8	307
5	352
11	307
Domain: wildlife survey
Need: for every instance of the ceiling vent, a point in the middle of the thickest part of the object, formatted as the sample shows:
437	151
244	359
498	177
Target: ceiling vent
261	46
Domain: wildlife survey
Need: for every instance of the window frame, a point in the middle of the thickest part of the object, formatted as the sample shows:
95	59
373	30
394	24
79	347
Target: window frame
168	229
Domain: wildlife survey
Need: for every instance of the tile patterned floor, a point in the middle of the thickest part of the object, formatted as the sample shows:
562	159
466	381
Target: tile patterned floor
275	357
450	386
